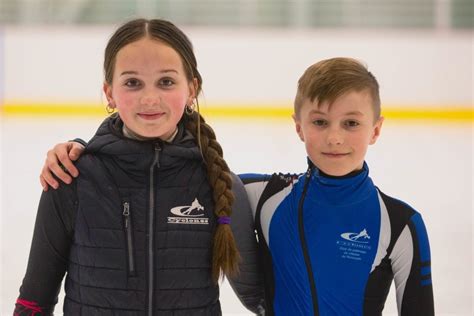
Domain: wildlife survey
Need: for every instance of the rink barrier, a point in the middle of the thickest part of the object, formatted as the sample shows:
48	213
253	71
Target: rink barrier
404	113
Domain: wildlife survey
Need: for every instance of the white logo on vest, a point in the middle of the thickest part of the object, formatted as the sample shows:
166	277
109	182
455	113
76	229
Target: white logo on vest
188	214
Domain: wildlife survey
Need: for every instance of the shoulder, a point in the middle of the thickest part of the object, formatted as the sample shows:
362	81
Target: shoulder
399	211
403	217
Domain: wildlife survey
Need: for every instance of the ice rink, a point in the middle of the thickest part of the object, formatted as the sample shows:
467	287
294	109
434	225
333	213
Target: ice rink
427	164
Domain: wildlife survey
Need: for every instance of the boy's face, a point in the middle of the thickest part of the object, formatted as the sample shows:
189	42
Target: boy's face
336	140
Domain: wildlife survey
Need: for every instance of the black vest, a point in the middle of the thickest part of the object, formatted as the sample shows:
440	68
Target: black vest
143	229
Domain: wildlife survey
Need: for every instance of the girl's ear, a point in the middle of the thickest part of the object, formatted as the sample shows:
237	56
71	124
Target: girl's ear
108	94
193	88
377	129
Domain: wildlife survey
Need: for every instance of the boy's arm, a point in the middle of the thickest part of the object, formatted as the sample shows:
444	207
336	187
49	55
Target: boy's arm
248	284
255	184
59	161
411	265
49	253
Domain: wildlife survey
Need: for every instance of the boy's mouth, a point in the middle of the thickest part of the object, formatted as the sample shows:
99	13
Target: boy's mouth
335	154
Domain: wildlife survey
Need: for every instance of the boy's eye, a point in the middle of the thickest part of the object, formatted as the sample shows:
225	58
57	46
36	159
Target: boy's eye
351	123
132	83
320	122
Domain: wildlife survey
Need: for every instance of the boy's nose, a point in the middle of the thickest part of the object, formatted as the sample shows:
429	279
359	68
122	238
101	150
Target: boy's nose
335	137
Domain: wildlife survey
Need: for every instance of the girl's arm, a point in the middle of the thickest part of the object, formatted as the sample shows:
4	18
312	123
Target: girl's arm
49	252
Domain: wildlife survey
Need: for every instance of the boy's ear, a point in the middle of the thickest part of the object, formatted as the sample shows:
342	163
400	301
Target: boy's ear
298	127
108	94
377	129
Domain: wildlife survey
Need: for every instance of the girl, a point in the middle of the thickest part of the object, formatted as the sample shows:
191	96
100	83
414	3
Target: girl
144	229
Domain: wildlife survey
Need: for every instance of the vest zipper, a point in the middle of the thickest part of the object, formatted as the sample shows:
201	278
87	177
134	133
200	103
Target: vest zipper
127	220
304	246
151	220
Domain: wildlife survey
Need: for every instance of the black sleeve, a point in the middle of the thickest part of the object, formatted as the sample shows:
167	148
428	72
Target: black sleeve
80	141
49	251
248	284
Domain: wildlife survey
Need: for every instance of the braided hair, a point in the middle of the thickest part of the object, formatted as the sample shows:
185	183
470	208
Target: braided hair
225	256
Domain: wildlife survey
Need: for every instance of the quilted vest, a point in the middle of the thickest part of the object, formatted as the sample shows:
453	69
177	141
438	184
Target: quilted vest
143	229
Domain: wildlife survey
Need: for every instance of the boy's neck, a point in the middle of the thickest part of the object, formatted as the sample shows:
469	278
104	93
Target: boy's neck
349	175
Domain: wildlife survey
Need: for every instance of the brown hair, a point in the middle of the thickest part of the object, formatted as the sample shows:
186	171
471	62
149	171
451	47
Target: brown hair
329	79
225	255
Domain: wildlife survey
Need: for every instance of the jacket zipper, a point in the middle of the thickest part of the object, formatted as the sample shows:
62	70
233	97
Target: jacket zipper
304	246
151	219
128	233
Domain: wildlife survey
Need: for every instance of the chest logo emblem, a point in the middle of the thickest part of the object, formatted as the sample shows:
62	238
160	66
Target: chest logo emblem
188	209
188	214
361	237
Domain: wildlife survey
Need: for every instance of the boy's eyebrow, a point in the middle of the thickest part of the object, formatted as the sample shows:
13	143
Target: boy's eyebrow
132	72
357	113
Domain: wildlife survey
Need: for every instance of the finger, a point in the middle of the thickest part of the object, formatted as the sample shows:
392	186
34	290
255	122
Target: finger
67	166
44	184
56	168
47	176
76	151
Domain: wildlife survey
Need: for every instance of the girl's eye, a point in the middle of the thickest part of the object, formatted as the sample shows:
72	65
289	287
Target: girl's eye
166	82
320	122
132	83
351	123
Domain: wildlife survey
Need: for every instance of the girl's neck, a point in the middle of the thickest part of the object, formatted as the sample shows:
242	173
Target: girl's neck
132	135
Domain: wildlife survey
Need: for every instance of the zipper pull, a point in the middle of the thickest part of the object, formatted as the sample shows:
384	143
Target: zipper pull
126	212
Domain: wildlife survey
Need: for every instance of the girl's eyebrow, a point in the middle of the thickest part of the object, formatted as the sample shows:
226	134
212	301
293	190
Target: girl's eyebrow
132	72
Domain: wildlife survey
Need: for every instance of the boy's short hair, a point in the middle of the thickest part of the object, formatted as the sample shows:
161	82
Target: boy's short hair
329	79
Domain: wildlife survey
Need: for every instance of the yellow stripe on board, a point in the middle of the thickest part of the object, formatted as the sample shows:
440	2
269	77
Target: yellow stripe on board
448	114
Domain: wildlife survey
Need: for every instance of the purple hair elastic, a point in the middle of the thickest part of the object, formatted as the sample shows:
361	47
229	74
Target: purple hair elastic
223	220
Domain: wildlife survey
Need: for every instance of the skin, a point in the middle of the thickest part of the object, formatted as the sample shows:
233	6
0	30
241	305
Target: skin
149	89
337	136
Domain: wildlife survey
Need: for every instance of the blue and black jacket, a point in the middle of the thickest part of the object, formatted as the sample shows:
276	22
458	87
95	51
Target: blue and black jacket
333	245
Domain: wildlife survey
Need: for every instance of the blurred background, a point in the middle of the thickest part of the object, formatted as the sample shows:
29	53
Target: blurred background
251	54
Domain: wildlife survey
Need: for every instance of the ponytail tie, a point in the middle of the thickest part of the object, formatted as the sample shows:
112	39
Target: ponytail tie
223	220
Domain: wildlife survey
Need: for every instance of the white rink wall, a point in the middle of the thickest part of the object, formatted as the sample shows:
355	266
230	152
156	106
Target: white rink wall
414	68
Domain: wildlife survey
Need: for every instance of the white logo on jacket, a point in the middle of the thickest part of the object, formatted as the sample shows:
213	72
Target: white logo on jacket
356	236
188	214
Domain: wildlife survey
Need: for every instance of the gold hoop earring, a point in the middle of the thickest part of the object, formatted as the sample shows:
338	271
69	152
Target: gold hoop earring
189	109
109	109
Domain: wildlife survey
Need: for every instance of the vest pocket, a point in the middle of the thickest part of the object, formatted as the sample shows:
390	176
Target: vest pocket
127	222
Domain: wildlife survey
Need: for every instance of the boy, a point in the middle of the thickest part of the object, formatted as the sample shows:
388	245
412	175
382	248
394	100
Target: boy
331	242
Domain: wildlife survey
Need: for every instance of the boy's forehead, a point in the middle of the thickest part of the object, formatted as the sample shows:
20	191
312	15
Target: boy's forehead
352	101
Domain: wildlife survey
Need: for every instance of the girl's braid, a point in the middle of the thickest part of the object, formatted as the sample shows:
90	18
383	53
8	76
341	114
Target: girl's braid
225	256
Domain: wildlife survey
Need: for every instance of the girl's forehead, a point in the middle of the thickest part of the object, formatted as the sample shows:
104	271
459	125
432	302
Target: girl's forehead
148	53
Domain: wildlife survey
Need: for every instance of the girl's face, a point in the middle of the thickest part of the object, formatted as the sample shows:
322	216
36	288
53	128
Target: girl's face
149	88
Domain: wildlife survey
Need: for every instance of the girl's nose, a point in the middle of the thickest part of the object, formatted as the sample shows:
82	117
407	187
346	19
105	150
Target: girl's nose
150	98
